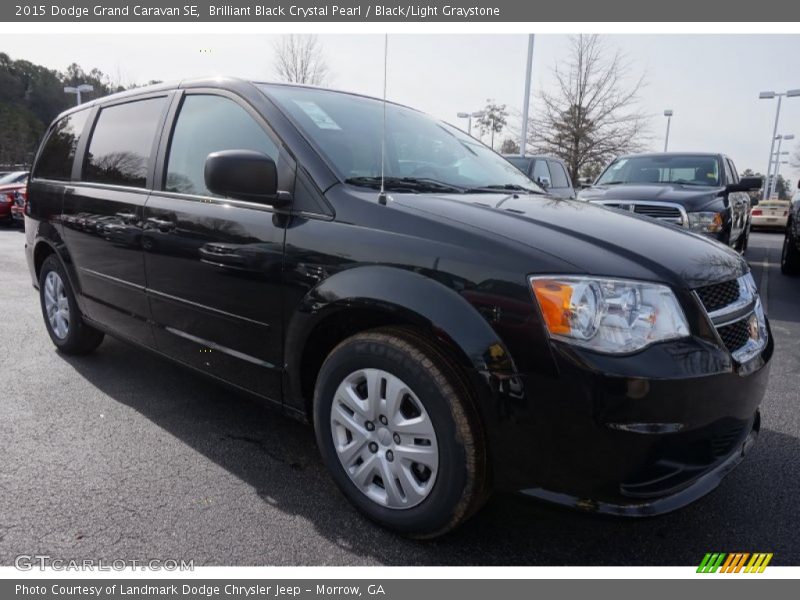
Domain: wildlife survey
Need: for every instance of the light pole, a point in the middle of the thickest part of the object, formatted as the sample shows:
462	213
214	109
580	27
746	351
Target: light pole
84	87
667	113
526	100
777	155
468	116
770	96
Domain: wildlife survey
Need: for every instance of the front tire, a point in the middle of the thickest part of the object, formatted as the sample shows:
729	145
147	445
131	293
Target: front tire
65	325
790	256
397	428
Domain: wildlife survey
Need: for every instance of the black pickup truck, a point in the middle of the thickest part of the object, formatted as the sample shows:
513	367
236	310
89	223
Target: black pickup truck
699	191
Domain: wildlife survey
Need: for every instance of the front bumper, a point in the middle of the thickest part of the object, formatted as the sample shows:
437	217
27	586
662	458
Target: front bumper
637	435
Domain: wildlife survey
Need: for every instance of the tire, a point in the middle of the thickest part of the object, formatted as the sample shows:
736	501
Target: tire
790	256
456	485
67	329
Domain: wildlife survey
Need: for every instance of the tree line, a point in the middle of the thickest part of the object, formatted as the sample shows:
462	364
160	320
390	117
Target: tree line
31	96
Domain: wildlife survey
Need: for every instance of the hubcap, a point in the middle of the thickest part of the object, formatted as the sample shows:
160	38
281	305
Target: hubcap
56	305
384	438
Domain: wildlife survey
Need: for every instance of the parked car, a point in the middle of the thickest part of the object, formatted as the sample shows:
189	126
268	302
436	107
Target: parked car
447	327
790	253
699	191
10	184
770	214
549	172
18	206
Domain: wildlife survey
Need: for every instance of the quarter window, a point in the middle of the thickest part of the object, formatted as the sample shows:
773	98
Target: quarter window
122	140
55	161
209	124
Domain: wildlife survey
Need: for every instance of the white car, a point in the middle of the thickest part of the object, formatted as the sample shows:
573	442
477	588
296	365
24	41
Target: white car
771	214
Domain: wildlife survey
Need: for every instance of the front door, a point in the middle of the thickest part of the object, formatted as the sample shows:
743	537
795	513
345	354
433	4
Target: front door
214	265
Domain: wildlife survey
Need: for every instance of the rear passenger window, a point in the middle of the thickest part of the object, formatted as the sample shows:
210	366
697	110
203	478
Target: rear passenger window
58	153
119	151
209	124
560	179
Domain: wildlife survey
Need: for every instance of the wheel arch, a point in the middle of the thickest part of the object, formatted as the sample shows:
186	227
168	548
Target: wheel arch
364	298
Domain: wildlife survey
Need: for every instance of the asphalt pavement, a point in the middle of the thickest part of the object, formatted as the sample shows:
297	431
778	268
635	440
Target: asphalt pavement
122	455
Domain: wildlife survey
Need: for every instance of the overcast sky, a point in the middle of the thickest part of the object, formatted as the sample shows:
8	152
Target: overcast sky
710	81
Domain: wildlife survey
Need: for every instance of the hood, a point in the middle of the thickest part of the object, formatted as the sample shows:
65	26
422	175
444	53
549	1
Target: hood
589	238
692	198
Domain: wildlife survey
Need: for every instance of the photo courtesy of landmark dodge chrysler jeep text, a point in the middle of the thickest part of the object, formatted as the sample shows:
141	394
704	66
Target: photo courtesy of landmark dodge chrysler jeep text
460	333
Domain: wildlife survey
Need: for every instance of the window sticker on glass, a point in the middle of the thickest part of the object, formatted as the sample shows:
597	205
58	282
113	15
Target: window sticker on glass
315	113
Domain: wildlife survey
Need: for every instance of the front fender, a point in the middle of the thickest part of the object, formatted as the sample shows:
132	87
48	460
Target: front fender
415	298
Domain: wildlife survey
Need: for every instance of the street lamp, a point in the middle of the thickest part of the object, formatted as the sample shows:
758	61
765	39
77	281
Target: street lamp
667	113
468	116
770	96
777	155
82	88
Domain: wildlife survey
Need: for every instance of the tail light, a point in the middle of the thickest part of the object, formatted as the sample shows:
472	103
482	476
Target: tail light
756	212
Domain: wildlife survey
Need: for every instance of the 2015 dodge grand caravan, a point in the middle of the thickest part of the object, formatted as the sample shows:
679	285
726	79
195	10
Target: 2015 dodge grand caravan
458	333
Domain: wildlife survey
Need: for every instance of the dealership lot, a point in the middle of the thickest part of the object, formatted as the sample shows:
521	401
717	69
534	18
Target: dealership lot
121	455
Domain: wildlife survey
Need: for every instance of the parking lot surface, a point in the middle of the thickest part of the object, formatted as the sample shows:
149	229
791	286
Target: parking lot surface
122	455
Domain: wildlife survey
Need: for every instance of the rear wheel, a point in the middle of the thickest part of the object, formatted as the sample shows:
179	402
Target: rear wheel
790	256
62	318
396	427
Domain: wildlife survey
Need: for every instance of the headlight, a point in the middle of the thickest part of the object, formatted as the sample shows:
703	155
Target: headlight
705	222
609	315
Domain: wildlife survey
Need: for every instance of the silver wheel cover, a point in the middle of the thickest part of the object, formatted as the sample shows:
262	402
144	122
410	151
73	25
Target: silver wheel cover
56	305
384	438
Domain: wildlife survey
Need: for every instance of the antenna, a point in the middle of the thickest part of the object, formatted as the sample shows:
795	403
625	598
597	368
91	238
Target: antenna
382	194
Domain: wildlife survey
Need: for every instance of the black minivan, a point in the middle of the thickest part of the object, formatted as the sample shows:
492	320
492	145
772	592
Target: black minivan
447	327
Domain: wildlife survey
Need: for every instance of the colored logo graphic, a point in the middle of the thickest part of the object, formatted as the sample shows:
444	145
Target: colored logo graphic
735	562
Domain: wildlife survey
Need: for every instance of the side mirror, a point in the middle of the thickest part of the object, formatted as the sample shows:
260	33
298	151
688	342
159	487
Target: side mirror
746	184
543	181
244	175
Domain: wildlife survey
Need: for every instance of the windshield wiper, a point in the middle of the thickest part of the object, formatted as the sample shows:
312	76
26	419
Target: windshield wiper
406	184
503	187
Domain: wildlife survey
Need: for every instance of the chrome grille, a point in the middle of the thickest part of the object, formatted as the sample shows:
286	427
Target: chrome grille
667	213
719	295
664	211
735	310
735	335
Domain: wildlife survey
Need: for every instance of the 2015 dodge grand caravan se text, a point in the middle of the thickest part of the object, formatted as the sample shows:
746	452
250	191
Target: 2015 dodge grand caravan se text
460	333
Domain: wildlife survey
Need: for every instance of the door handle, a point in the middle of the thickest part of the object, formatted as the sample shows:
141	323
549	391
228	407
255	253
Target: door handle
162	224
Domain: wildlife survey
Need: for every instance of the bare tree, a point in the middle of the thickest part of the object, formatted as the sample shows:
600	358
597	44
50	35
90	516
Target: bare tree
300	59
592	116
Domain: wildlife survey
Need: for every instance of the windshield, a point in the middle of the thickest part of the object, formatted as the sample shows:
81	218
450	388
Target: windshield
672	168
16	177
348	129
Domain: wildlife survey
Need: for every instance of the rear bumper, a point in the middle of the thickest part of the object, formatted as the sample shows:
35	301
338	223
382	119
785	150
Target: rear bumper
638	435
769	222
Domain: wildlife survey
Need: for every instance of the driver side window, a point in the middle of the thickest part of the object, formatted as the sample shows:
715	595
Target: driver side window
206	124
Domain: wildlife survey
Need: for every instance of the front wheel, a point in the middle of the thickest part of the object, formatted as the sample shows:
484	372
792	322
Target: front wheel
63	320
397	429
